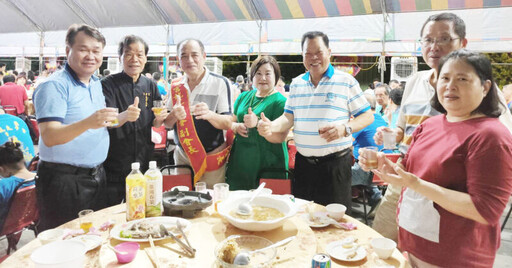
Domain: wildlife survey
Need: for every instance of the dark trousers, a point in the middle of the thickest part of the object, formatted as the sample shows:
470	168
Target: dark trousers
116	187
324	180
64	190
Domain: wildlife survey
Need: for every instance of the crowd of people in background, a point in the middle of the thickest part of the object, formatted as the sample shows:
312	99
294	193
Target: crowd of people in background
92	129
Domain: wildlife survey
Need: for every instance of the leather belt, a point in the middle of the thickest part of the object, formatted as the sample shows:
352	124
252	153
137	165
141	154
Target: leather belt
315	160
70	169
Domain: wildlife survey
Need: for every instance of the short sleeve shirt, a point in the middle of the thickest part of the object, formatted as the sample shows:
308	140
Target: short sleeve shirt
336	98
64	98
214	90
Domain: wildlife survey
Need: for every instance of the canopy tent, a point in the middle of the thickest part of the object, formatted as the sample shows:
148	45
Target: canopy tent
34	28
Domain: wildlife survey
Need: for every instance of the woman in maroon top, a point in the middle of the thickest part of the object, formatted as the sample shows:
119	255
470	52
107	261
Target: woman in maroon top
457	176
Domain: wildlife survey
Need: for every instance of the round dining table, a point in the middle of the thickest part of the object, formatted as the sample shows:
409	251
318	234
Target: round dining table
208	229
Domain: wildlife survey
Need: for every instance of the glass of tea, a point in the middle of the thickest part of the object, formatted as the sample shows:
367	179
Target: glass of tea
114	122
85	219
370	154
158	107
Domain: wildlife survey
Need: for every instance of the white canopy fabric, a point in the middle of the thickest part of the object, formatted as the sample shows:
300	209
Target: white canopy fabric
28	24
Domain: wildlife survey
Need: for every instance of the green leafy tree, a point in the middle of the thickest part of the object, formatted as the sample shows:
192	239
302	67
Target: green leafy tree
501	68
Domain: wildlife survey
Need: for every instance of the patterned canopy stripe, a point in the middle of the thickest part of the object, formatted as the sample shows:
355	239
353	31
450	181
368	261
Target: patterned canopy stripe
474	3
344	7
170	11
236	11
262	10
272	9
456	3
371	5
193	7
318	8
224	8
294	7
207	12
331	8
423	5
307	10
244	10
393	5
185	8
183	17
439	4
283	8
215	10
357	7
506	3
407	5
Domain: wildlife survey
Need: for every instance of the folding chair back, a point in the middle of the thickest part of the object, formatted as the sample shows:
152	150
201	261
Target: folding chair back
292	151
376	179
281	185
163	133
23	212
170	179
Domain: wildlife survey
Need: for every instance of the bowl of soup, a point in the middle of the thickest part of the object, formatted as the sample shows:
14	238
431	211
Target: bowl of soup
268	212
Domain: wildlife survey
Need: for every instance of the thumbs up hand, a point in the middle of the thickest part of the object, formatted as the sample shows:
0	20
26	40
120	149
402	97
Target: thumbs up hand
133	111
264	126
250	119
178	111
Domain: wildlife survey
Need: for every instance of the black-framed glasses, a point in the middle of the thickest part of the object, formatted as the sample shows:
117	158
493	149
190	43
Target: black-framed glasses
440	41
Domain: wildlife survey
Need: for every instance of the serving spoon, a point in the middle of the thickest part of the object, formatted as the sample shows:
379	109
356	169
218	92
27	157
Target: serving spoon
245	208
242	258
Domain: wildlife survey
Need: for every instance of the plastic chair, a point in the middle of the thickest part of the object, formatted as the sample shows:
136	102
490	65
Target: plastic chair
32	166
292	151
23	213
11	109
170	180
278	185
376	180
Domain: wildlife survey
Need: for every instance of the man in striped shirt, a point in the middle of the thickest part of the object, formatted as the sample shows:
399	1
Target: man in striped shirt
320	105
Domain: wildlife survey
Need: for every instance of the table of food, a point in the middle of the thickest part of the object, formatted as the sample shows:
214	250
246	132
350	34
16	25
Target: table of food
277	231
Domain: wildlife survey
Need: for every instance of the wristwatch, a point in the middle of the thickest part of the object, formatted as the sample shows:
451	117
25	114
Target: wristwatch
348	130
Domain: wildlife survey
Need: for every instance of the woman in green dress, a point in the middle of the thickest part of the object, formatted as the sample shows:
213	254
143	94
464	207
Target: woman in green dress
252	152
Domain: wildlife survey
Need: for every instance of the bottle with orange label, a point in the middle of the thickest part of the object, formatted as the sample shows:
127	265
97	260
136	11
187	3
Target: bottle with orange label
135	194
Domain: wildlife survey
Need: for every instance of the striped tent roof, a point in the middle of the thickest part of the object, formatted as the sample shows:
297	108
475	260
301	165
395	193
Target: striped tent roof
193	11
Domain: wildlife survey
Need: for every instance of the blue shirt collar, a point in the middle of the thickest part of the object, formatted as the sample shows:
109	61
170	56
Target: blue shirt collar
328	73
76	80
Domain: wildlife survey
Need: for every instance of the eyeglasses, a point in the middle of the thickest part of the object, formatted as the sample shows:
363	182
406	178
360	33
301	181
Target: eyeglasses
442	41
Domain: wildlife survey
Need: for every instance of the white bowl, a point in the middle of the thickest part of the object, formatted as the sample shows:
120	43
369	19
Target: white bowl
50	235
286	207
383	247
264	192
60	254
336	211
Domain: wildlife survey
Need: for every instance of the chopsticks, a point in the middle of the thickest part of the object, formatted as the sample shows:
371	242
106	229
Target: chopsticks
153	252
184	246
178	224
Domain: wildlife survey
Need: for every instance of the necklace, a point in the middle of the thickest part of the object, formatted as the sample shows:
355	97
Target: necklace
251	104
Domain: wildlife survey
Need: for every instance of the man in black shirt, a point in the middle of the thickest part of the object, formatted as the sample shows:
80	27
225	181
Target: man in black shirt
133	94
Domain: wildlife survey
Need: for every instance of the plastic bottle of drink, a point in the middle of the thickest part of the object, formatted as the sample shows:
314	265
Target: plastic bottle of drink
135	194
153	191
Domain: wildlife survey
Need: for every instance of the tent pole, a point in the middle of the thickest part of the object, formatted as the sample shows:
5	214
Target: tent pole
41	51
166	56
260	25
382	59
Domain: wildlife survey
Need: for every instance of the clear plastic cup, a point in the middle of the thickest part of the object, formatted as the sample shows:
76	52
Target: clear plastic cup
200	187
220	193
389	138
371	156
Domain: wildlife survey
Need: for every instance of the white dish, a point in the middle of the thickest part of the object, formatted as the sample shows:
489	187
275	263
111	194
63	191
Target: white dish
311	224
285	207
168	222
60	254
90	241
336	250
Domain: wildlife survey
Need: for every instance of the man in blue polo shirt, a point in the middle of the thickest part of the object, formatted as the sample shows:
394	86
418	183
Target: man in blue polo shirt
323	161
74	140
